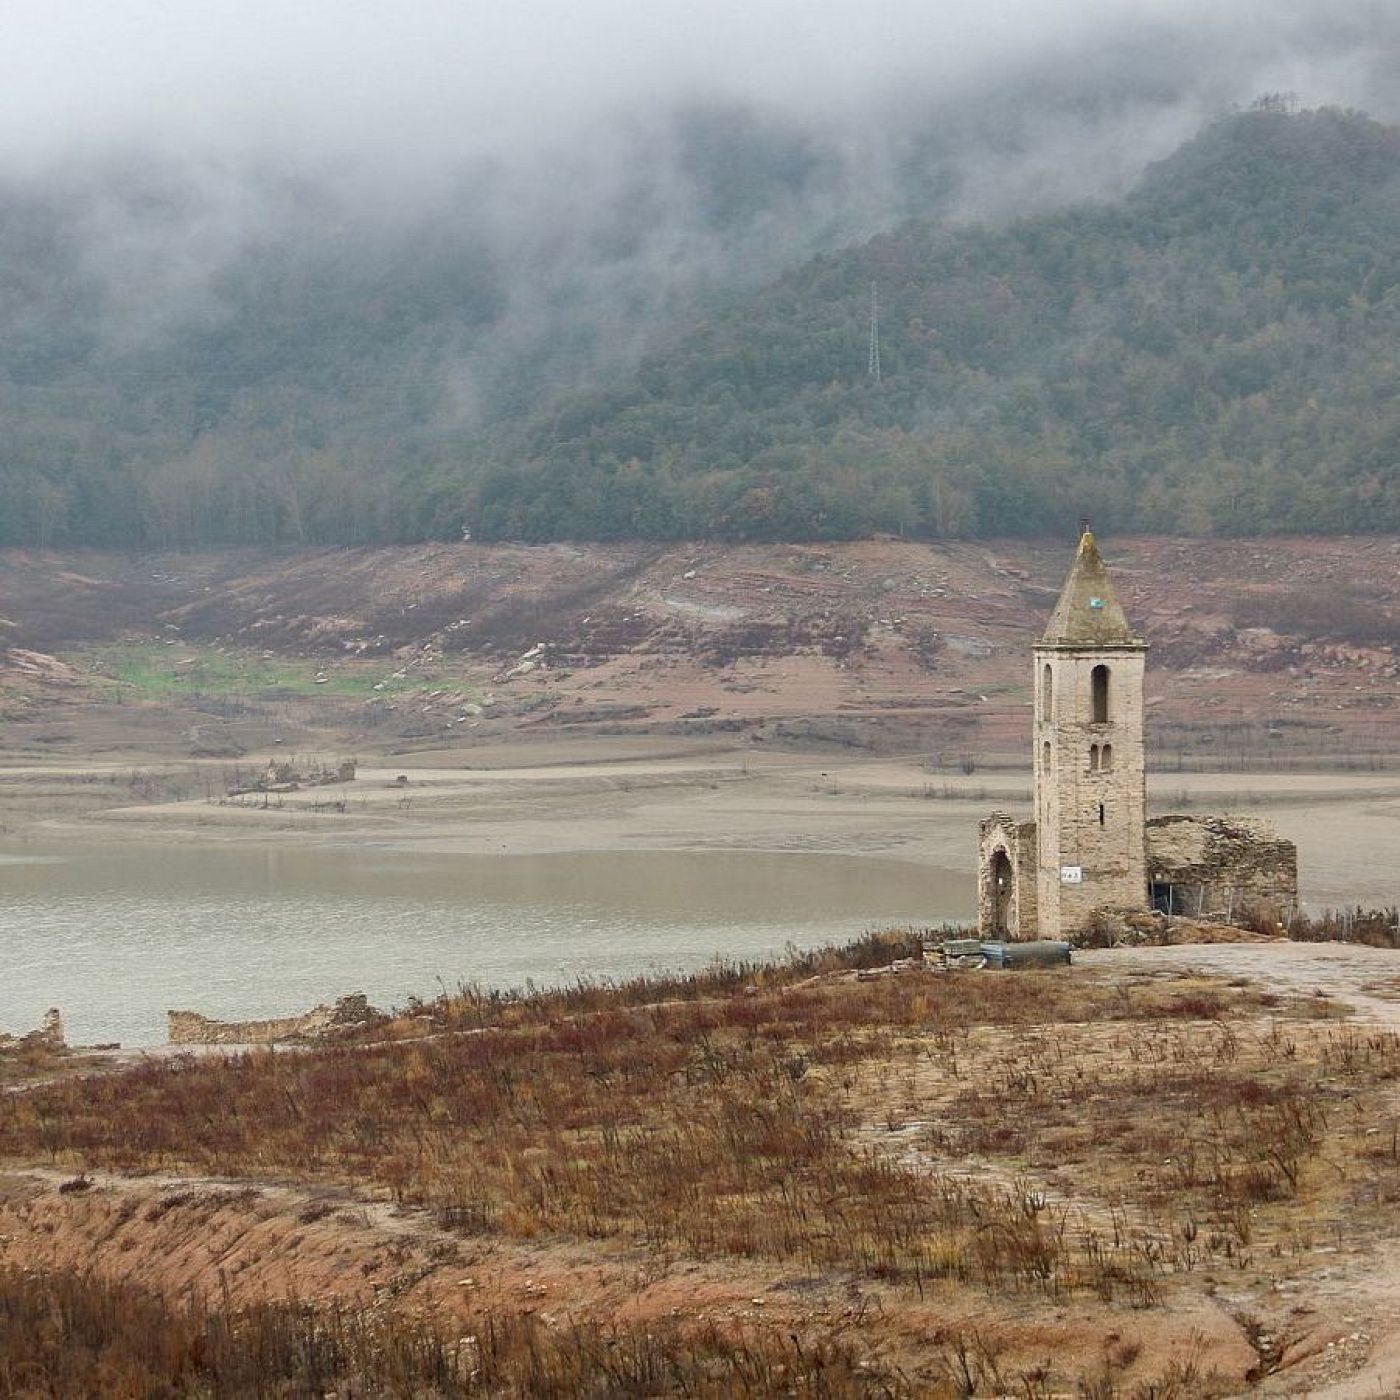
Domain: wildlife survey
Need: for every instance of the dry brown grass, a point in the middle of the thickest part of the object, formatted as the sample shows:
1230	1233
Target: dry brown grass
718	1125
66	1336
1183	1142
1107	1140
26	1061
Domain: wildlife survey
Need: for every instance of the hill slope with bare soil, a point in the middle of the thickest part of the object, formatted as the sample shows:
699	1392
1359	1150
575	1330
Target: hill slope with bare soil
1279	648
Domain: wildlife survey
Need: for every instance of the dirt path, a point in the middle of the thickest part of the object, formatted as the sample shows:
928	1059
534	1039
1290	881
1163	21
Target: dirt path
1365	979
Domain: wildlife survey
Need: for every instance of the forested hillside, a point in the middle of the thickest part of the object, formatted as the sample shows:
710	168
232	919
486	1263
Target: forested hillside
1220	352
1217	352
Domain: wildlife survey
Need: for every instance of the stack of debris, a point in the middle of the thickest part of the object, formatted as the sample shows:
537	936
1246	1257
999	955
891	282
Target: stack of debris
284	777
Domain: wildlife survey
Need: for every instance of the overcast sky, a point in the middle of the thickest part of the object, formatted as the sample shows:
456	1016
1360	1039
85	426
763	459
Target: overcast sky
445	77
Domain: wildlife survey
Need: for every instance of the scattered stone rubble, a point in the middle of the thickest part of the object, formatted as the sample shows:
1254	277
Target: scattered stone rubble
530	662
284	777
321	1022
1129	928
917	963
48	1036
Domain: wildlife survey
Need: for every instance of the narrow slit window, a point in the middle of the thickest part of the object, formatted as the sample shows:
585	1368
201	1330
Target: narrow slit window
1099	684
1101	822
1047	692
1045	757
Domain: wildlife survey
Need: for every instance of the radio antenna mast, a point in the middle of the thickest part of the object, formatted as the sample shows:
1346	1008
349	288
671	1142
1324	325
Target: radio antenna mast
873	368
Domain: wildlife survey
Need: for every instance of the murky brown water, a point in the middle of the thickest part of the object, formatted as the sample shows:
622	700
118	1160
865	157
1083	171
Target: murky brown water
116	935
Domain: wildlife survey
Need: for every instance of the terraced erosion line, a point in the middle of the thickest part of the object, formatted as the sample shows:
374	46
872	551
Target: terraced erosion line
248	1242
251	1240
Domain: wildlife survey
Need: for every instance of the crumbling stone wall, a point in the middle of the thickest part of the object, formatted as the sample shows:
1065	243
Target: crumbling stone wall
48	1036
1015	842
190	1028
286	777
1223	867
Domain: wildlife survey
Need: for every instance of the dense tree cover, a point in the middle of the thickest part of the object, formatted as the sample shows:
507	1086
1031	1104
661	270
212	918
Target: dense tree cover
295	397
1215	353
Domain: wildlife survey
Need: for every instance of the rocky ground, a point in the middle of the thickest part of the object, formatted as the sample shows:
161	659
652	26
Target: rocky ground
1278	650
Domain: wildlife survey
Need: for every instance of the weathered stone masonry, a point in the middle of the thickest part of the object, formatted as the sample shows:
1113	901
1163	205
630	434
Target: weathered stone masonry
1006	863
1090	845
190	1028
1221	867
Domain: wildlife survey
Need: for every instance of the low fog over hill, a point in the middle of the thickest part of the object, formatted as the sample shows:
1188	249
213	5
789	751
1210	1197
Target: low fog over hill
285	276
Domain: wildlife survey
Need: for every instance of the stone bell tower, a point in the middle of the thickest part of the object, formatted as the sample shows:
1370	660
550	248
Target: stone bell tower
1090	770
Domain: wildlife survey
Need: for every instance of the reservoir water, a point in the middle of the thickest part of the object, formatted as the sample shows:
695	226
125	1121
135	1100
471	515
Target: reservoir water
115	935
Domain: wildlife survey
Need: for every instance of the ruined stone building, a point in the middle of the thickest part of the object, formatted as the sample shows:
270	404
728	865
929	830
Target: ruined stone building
1090	845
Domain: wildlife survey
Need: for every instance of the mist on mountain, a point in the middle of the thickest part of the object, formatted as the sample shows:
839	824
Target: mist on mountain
253	254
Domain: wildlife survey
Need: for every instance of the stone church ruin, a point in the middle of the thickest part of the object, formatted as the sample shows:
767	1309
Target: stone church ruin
1090	846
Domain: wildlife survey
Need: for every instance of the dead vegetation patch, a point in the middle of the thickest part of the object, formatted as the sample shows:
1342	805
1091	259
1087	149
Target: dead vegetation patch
718	1125
65	1335
1101	1142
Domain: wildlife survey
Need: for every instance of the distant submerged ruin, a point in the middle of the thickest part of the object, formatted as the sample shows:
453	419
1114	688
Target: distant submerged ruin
349	1013
1090	848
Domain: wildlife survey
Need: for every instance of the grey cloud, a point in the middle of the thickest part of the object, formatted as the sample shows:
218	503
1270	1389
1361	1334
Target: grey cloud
427	79
608	162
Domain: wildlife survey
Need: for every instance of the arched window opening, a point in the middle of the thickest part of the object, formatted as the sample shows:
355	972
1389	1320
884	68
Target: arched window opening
1106	757
1099	683
1047	692
1045	757
1093	758
1002	888
1101	814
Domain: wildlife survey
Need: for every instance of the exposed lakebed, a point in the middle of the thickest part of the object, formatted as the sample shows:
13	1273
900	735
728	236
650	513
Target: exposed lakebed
116	934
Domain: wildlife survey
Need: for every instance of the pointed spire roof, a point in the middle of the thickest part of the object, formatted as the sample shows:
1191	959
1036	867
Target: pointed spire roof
1088	613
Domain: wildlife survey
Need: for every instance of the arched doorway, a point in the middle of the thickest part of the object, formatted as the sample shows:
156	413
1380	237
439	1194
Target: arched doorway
1002	886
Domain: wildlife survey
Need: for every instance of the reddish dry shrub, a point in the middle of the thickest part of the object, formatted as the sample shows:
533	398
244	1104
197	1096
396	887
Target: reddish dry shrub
718	1125
62	1335
717	1118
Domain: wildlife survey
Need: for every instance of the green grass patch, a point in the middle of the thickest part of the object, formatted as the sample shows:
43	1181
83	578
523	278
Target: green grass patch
156	670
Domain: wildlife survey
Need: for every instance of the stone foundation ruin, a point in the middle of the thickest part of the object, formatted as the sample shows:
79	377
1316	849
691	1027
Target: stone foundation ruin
286	777
190	1028
48	1036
